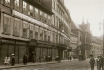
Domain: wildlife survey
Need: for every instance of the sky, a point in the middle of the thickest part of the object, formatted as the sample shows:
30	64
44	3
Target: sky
91	10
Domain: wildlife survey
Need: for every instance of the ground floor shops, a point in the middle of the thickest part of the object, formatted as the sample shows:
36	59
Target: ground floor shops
33	49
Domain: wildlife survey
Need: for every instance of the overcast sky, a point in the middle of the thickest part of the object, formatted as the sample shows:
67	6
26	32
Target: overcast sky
93	10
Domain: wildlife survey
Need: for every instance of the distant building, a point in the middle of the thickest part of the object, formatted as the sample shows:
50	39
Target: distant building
84	38
97	47
73	44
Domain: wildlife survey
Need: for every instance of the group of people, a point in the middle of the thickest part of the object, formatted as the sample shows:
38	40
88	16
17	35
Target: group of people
9	60
99	61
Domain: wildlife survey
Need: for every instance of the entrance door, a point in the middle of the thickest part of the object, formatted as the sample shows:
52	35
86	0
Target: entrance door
31	54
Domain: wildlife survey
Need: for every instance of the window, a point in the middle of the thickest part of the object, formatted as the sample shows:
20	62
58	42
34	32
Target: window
49	19
49	34
25	29
36	13
7	2
45	35
24	7
41	15
6	24
53	36
36	32
54	20
16	27
16	2
41	33
31	31
30	12
45	19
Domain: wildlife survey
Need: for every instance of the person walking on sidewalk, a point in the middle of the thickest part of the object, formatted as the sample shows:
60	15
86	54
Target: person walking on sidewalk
92	62
5	61
12	60
24	60
101	62
98	62
8	61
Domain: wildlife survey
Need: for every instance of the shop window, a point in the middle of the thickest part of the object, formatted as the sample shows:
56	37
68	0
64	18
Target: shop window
16	4
30	12
24	7
7	2
6	25
16	28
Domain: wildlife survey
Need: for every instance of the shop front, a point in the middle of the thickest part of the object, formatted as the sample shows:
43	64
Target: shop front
11	46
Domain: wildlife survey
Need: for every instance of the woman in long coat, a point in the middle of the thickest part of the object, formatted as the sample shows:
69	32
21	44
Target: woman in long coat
98	62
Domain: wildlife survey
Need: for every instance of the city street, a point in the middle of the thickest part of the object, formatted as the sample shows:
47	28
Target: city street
64	65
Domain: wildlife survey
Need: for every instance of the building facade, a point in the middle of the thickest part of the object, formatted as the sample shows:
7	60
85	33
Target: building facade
73	44
27	27
97	47
84	38
61	21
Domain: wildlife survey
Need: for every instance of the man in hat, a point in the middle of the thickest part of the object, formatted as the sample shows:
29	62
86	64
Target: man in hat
92	62
12	60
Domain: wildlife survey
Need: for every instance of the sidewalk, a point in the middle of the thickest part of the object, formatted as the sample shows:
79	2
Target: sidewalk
28	64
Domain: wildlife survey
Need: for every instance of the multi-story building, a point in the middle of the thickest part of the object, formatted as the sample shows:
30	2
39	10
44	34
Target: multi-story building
97	47
84	38
61	22
73	44
28	27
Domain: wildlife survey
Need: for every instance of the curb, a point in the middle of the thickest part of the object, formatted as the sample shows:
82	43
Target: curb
27	65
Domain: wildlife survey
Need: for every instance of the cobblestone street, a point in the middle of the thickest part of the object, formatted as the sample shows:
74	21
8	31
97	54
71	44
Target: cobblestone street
64	65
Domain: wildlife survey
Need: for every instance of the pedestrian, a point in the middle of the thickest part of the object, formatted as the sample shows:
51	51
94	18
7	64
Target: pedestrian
46	58
8	61
70	58
12	60
5	61
92	62
98	62
101	62
33	59
40	59
24	60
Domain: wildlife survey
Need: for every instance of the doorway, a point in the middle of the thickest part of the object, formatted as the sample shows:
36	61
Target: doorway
31	54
